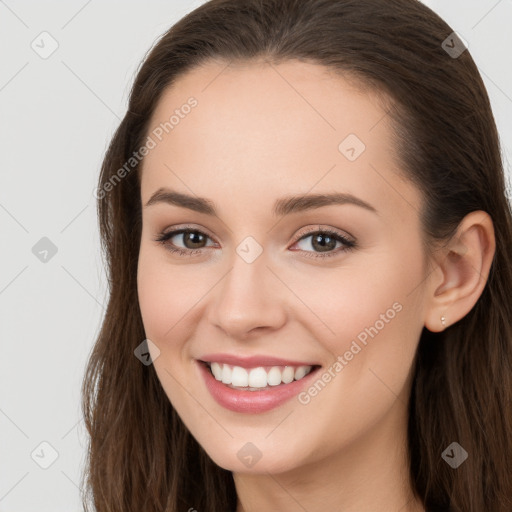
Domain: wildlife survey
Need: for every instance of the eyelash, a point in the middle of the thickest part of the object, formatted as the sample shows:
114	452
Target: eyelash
349	244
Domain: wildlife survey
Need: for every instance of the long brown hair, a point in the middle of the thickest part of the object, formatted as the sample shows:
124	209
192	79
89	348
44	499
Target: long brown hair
141	456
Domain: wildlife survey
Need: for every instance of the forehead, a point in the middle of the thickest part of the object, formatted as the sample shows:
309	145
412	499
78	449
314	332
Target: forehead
267	127
274	104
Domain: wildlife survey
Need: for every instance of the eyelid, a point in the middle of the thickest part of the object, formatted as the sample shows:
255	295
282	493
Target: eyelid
323	229
187	227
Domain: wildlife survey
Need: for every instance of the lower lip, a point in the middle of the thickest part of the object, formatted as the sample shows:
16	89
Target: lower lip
252	401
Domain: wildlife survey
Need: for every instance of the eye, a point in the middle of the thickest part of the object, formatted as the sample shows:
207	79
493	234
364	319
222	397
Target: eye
323	242
192	239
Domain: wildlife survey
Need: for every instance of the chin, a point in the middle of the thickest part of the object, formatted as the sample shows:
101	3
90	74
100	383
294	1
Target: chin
253	458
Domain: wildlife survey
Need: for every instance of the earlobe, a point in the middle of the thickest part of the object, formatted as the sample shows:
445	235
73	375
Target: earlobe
464	266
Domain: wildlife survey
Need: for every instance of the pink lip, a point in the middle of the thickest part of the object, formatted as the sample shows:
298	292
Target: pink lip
252	401
252	361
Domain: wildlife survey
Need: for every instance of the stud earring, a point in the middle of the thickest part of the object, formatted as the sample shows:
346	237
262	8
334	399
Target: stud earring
443	320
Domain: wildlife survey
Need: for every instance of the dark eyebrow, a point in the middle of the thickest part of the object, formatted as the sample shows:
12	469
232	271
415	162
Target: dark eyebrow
283	206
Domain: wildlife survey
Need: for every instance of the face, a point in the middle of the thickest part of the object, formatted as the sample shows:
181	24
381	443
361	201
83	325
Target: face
333	283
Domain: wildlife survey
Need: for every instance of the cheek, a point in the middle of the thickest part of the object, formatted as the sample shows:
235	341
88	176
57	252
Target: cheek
376	323
171	296
368	318
166	291
163	302
159	292
374	292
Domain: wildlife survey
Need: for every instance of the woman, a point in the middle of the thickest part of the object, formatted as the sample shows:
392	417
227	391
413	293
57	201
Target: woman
306	230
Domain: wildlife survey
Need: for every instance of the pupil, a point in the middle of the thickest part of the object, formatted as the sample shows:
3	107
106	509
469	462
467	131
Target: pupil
323	247
194	238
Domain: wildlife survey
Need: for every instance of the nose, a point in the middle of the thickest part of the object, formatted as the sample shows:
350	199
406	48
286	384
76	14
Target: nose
249	300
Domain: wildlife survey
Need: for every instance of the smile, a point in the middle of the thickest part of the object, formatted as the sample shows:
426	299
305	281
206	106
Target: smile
255	379
257	389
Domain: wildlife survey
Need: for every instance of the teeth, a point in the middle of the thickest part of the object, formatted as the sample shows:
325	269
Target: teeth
274	376
239	377
226	374
257	378
216	370
288	374
300	372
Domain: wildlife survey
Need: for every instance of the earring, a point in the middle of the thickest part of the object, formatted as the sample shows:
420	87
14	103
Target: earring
443	320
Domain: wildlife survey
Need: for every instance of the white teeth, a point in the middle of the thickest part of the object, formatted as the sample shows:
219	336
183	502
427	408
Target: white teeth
257	378
239	377
288	374
217	370
274	376
226	374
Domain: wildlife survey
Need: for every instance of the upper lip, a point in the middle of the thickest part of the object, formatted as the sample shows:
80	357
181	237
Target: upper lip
251	361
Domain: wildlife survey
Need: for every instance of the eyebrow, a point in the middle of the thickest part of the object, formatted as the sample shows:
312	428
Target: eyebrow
283	206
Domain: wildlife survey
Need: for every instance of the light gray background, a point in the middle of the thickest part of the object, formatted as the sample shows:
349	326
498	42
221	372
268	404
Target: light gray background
57	116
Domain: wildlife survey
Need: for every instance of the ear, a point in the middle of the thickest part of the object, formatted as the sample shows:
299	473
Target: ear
462	269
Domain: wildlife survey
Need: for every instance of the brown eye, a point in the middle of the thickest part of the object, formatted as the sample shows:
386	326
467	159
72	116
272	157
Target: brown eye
324	241
191	240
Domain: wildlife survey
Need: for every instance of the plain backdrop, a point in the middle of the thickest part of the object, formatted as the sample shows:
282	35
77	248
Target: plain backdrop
58	113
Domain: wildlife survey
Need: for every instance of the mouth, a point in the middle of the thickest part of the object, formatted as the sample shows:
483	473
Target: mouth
254	389
257	378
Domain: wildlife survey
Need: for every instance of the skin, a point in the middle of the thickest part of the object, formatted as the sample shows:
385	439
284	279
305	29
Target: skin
261	132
